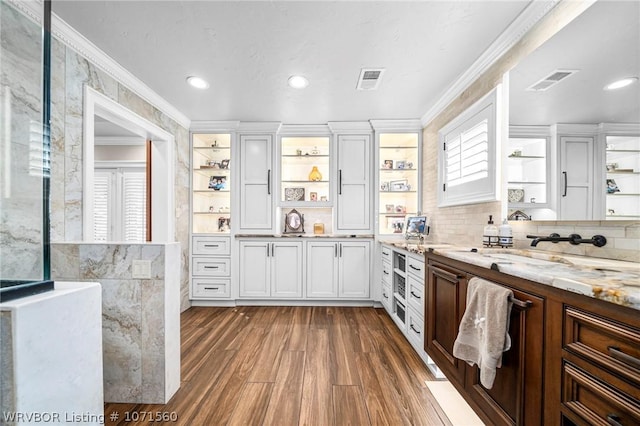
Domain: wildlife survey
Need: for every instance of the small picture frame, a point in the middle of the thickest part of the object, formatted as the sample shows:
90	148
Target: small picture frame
399	185
294	194
294	222
395	224
217	183
323	198
401	209
384	186
401	165
224	164
313	196
612	186
387	164
389	208
416	226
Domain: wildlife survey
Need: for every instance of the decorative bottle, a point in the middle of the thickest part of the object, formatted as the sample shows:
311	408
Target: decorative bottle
315	174
490	234
506	234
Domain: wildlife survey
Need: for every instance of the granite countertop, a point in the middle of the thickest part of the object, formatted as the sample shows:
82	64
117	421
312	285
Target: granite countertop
303	236
615	281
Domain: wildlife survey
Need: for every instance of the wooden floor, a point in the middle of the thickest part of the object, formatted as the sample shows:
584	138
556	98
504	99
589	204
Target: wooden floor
294	366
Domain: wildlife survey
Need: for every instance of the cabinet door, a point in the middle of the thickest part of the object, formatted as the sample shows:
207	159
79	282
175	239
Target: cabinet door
576	178
255	269
446	293
354	269
322	269
286	269
256	183
516	394
354	191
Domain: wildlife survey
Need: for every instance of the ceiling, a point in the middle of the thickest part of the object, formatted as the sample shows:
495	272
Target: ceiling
603	44
247	51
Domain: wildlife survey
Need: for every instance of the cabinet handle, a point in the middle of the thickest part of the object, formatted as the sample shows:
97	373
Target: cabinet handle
444	274
269	182
385	295
267	250
414	330
273	249
211	288
340	249
616	353
385	272
564	177
385	253
415	295
211	245
414	268
210	267
335	250
340	182
613	420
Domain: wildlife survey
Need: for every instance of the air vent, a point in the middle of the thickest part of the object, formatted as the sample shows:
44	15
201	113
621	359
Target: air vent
551	80
369	78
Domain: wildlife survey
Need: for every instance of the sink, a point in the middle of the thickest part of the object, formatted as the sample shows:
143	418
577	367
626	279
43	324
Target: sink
516	258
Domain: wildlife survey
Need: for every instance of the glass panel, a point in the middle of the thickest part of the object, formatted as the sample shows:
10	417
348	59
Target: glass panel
305	170
623	177
527	182
398	181
24	150
211	183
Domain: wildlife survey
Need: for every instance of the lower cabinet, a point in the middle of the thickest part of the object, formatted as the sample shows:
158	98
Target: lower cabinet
516	395
338	269
270	269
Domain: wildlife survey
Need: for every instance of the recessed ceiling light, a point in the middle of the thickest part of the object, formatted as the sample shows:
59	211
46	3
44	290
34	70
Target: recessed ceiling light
621	83
197	82
298	82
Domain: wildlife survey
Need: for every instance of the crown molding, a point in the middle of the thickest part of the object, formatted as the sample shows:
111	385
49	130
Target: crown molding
533	13
214	126
574	129
349	126
619	128
305	129
32	9
119	140
259	127
529	131
396	125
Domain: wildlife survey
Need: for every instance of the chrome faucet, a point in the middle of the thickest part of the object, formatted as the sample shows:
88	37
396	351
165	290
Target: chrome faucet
575	239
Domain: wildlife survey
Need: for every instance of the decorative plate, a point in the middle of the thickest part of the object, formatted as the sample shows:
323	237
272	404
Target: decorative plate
516	195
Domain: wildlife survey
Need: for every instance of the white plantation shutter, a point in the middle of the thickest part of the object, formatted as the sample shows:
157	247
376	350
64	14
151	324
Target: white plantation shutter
134	206
467	158
102	199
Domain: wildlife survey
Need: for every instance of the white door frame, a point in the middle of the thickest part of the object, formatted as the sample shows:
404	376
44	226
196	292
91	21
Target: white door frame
162	159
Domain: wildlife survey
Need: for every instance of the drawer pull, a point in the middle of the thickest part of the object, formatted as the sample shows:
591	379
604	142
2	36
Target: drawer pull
613	420
210	267
385	295
616	353
524	305
414	268
211	245
415	295
414	330
454	278
385	272
211	288
385	253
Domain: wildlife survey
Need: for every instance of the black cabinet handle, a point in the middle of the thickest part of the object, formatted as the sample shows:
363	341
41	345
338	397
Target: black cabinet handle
385	272
415	295
211	288
340	249
335	247
613	420
414	268
210	267
340	182
267	250
564	175
385	253
385	295
269	182
631	361
454	278
414	330
211	245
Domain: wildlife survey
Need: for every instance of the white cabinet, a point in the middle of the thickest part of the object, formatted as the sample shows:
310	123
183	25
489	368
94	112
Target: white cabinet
622	182
256	183
270	269
338	269
354	177
576	178
527	169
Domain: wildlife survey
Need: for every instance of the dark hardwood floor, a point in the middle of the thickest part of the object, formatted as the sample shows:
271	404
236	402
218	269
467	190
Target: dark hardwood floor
294	366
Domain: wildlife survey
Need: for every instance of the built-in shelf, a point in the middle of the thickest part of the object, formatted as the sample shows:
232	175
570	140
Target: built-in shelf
527	173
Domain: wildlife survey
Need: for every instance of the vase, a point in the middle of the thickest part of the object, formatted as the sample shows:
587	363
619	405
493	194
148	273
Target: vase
315	174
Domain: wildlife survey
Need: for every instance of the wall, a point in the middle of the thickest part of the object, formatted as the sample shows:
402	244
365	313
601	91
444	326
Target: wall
464	224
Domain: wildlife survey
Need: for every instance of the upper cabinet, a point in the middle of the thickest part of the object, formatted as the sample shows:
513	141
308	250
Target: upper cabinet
622	184
256	183
211	183
305	171
354	183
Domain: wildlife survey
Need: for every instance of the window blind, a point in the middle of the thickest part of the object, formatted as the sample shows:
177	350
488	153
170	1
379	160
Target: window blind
134	206
102	194
467	155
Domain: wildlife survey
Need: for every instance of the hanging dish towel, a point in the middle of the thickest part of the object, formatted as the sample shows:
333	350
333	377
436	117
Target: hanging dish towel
483	333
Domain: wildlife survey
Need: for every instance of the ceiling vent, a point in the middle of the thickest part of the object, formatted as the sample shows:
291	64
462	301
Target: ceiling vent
369	78
551	80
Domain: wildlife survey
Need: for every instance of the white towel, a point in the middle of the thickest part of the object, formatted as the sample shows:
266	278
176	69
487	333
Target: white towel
483	332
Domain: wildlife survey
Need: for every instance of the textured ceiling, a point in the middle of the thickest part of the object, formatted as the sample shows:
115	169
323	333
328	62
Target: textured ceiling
247	50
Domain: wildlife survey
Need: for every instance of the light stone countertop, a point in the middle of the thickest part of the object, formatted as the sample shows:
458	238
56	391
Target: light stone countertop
304	236
612	280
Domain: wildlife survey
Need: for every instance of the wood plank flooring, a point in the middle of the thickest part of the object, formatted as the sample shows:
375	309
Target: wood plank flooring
294	366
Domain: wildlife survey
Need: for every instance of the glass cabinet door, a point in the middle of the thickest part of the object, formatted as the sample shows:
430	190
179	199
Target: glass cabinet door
622	185
211	183
305	171
399	181
527	182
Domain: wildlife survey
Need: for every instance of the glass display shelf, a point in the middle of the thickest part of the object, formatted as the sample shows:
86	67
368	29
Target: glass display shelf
305	171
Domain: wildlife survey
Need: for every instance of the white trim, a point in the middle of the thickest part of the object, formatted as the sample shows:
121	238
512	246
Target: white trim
529	131
204	126
619	128
76	41
396	125
304	129
533	13
354	127
119	140
162	155
575	129
259	127
119	164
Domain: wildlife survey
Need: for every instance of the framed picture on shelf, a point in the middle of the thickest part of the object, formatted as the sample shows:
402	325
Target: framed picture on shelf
384	186
388	164
389	208
294	194
401	165
395	224
313	196
224	164
399	185
612	186
217	183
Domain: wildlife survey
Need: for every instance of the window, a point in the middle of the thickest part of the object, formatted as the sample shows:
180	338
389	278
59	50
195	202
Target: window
119	204
467	156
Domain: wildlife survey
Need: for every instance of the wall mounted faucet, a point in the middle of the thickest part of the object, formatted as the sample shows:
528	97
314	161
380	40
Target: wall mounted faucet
575	239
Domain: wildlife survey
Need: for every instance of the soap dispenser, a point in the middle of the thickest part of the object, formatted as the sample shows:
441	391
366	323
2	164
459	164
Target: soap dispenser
505	234
490	234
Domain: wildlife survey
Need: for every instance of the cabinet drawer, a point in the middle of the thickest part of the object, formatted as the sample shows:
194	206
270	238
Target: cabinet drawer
211	245
594	401
386	254
608	344
210	266
386	297
211	288
415	330
386	272
416	267
415	294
